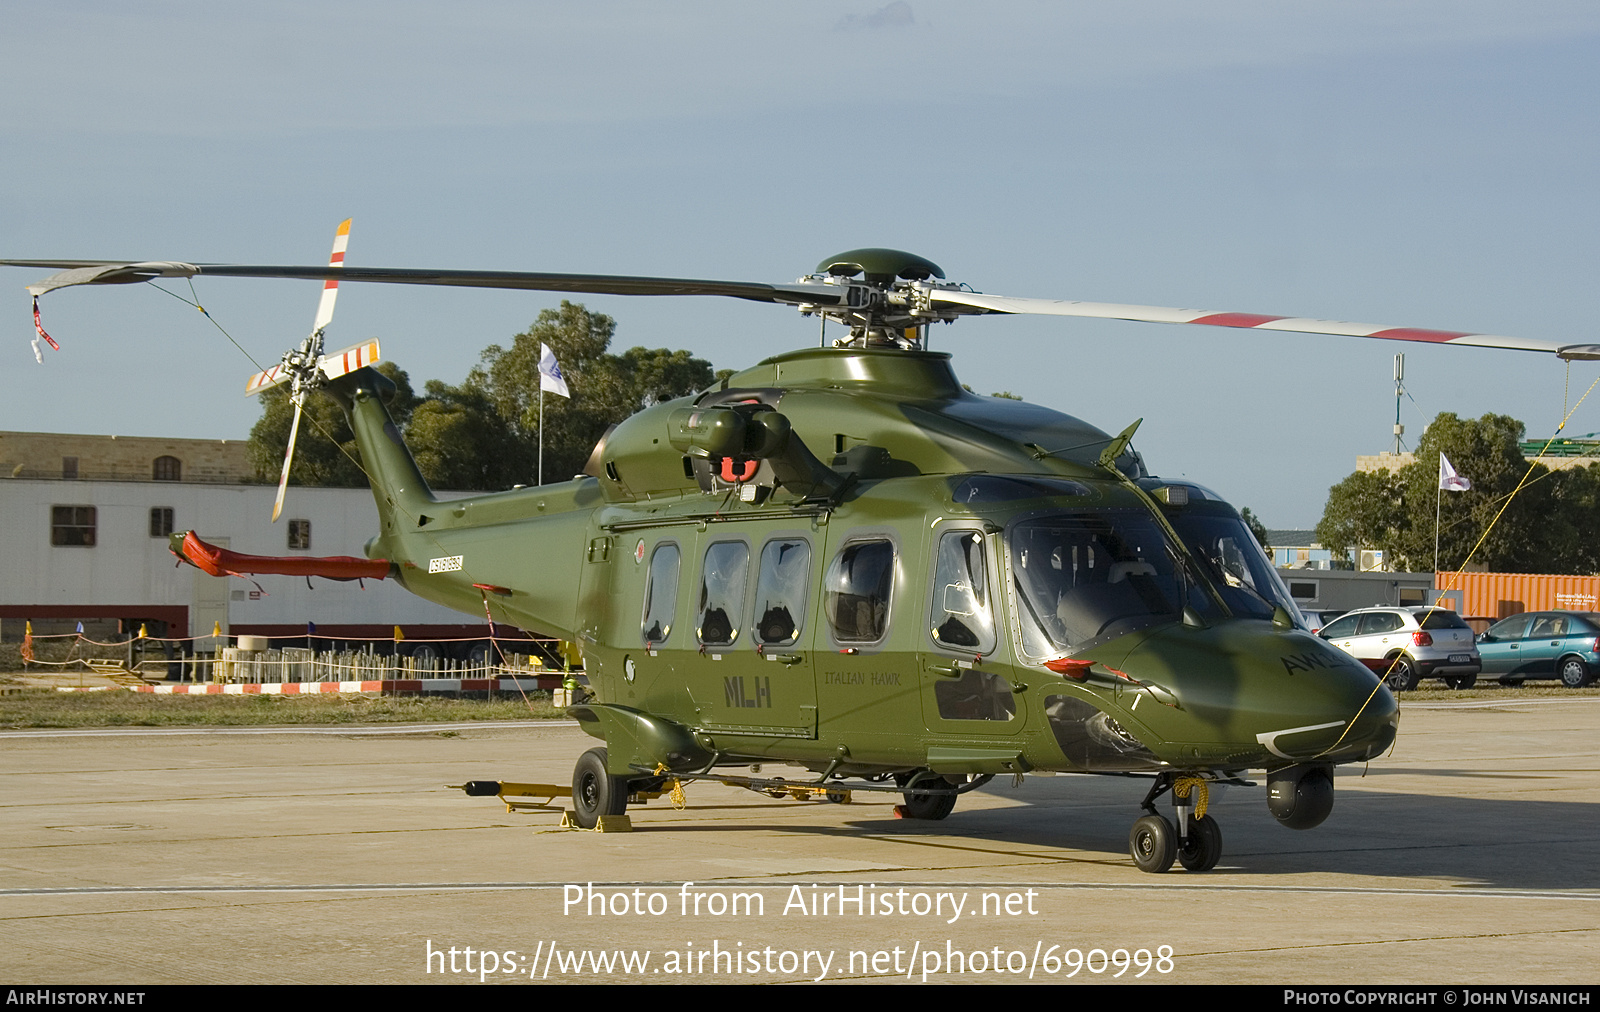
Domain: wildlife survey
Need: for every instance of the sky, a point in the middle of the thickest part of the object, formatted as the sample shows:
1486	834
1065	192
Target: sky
1425	163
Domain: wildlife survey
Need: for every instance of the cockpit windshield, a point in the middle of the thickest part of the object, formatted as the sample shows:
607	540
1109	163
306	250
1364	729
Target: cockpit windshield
1082	576
1234	563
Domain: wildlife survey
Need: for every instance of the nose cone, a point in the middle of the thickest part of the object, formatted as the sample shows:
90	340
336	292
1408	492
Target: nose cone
1262	695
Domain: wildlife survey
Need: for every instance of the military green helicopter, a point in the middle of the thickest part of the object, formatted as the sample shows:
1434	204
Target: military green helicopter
840	559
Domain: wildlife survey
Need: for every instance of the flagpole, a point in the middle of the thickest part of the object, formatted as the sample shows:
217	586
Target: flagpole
541	443
1438	499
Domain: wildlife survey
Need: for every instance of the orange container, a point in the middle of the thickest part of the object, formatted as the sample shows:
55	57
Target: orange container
1497	595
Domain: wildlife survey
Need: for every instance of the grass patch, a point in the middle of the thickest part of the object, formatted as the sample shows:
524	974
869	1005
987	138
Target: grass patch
119	708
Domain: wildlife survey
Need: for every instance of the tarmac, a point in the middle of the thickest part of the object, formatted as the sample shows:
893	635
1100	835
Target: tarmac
340	855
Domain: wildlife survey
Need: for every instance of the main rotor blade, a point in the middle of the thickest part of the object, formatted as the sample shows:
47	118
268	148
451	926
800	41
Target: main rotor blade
103	272
330	288
288	458
1254	321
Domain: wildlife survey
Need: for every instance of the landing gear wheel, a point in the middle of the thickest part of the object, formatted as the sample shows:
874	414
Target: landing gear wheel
929	806
596	792
1574	673
838	798
1154	843
1402	676
1203	848
1460	681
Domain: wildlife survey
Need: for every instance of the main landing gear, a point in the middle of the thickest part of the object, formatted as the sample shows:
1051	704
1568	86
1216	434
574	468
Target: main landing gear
1195	842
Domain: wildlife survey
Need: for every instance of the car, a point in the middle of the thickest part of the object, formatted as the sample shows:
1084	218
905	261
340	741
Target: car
1406	645
1543	644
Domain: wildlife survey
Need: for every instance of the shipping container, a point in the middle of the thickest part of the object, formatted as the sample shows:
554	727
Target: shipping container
1499	595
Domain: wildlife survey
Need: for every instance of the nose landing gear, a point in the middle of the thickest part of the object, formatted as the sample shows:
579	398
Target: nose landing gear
1195	842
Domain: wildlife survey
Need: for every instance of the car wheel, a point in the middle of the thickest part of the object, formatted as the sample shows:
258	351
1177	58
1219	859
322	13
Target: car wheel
1574	673
1402	676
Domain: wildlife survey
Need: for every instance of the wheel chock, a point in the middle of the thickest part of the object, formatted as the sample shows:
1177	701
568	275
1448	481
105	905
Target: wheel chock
606	823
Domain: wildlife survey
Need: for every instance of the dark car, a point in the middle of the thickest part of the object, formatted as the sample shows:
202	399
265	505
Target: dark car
1404	645
1543	644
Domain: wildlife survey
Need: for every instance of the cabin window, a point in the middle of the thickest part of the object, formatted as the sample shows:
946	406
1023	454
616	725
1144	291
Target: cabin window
300	535
720	612
661	594
160	521
856	591
72	526
781	591
962	616
167	469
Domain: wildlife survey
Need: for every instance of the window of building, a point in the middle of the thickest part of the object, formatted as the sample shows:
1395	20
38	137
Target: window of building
69	468
72	525
167	469
300	535
160	521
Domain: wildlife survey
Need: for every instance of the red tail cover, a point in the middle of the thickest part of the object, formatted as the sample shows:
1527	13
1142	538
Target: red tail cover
221	562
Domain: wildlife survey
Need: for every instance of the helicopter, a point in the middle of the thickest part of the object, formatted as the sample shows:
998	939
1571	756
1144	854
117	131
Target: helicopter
842	560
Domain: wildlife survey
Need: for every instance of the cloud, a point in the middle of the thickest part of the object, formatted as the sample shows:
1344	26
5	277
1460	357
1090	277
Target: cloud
895	15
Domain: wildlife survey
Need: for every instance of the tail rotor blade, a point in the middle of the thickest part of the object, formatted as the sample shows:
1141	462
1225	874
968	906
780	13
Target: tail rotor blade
266	380
330	288
288	458
347	360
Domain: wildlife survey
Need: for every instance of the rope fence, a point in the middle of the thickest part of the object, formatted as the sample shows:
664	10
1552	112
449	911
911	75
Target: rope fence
213	659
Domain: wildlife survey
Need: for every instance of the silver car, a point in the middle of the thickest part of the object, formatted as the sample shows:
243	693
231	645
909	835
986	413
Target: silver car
1405	645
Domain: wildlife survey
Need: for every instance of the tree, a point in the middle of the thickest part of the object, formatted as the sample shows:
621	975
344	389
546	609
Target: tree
325	450
1548	525
605	389
1256	528
484	433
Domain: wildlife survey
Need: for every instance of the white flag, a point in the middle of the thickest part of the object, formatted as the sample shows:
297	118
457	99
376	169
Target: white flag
550	377
1449	481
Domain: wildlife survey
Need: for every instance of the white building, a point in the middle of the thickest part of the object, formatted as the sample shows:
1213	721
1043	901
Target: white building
85	550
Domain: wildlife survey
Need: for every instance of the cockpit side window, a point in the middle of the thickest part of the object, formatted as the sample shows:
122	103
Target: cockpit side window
963	618
661	594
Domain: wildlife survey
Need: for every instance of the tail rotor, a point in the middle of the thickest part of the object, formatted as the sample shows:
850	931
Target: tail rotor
306	368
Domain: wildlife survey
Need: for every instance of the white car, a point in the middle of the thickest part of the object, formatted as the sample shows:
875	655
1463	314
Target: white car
1405	645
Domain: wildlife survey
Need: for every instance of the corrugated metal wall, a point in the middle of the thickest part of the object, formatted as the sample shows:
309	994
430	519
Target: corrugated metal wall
1497	595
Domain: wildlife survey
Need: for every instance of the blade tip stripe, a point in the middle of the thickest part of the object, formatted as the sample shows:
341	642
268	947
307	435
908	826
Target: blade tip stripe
1236	319
1421	334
